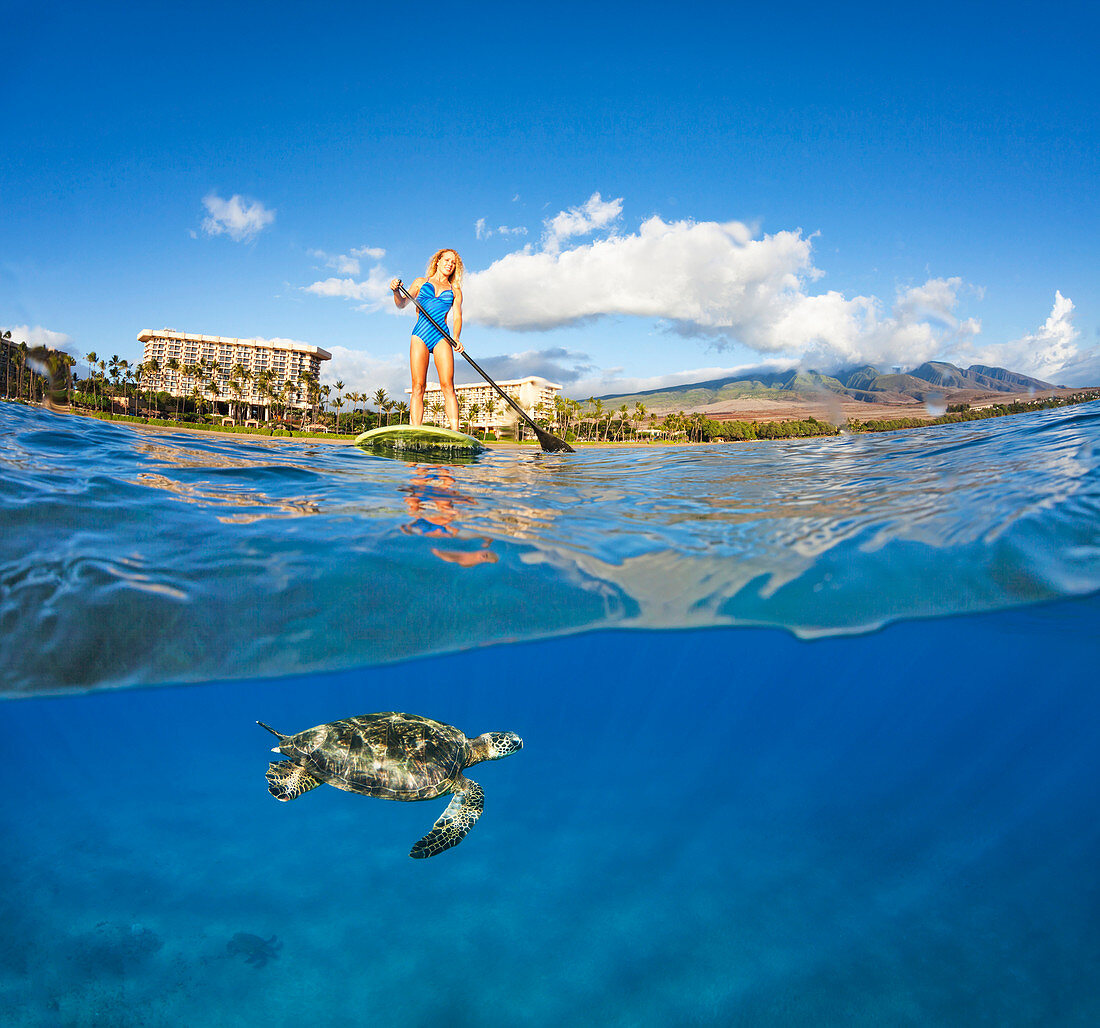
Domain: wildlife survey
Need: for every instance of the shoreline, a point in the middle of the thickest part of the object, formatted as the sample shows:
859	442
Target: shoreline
891	412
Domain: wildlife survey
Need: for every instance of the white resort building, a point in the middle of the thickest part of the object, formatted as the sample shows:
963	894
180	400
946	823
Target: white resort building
480	404
261	368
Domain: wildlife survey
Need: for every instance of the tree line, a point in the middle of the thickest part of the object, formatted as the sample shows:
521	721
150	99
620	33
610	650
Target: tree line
35	373
963	412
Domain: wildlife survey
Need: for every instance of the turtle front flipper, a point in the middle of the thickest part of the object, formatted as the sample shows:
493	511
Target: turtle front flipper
287	780
464	809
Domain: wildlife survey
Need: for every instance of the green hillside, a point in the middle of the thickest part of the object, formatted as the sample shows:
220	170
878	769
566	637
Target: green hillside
864	383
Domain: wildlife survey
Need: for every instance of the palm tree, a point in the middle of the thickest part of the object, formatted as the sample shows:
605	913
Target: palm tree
263	387
152	369
91	358
355	398
245	376
215	392
173	365
338	385
288	394
113	370
436	410
235	389
402	412
67	362
597	406
140	373
561	408
7	363
129	383
308	381
380	398
20	354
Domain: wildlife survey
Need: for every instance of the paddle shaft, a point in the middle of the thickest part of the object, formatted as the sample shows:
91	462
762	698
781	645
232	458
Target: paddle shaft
557	443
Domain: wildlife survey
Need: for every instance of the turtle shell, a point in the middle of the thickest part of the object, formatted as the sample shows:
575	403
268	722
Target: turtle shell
391	755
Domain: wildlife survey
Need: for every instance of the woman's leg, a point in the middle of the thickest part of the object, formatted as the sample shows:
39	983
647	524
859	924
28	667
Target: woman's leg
445	365
418	365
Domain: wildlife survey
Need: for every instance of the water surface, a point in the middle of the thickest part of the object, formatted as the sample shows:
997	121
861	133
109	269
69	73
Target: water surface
811	730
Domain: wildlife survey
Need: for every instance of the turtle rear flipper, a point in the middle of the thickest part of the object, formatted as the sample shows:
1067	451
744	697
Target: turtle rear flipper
287	780
453	824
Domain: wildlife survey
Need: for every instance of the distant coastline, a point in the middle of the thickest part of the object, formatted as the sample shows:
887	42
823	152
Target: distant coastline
889	418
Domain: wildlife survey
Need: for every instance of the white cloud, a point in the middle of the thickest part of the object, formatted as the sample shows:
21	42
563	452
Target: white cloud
362	373
936	300
348	263
596	213
39	336
712	280
344	264
1082	371
370	293
236	217
725	284
1045	352
482	231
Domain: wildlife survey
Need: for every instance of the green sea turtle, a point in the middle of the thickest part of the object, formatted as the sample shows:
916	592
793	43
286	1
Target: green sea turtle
394	756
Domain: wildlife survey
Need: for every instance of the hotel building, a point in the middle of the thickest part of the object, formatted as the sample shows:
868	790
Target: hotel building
286	361
535	395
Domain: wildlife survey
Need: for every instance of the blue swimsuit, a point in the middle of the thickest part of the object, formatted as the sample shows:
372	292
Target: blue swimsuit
437	307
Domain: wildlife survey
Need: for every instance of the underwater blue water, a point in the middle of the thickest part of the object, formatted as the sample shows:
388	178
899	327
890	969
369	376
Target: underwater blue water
812	729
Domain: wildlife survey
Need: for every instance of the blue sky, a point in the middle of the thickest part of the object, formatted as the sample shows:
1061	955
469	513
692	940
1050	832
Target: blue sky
642	194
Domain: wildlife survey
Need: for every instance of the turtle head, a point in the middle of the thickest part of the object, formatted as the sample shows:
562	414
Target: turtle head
494	745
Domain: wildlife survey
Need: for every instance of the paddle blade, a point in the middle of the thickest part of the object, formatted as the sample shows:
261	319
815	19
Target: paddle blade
551	443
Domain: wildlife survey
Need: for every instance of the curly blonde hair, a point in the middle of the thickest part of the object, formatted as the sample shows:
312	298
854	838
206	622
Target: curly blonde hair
456	278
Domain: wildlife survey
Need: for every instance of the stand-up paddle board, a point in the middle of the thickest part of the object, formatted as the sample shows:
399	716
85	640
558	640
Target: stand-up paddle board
419	440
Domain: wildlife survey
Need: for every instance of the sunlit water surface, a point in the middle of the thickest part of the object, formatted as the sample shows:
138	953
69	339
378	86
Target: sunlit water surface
811	729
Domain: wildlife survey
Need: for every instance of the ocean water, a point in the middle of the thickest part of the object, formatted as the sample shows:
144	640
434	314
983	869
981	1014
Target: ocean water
812	729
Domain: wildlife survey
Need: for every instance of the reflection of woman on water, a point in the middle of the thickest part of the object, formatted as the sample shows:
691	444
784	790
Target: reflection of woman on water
439	294
431	499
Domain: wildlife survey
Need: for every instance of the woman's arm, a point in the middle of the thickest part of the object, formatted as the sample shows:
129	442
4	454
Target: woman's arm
414	290
456	310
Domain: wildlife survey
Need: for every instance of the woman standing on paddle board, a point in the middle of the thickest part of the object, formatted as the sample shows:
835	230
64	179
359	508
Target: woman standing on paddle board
439	294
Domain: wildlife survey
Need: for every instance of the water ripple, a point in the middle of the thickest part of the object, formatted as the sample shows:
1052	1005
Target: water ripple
140	557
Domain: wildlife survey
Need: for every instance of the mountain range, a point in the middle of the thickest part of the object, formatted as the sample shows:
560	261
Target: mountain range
933	380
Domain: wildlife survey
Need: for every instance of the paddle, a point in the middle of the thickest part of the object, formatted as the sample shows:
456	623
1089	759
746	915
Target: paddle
550	443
